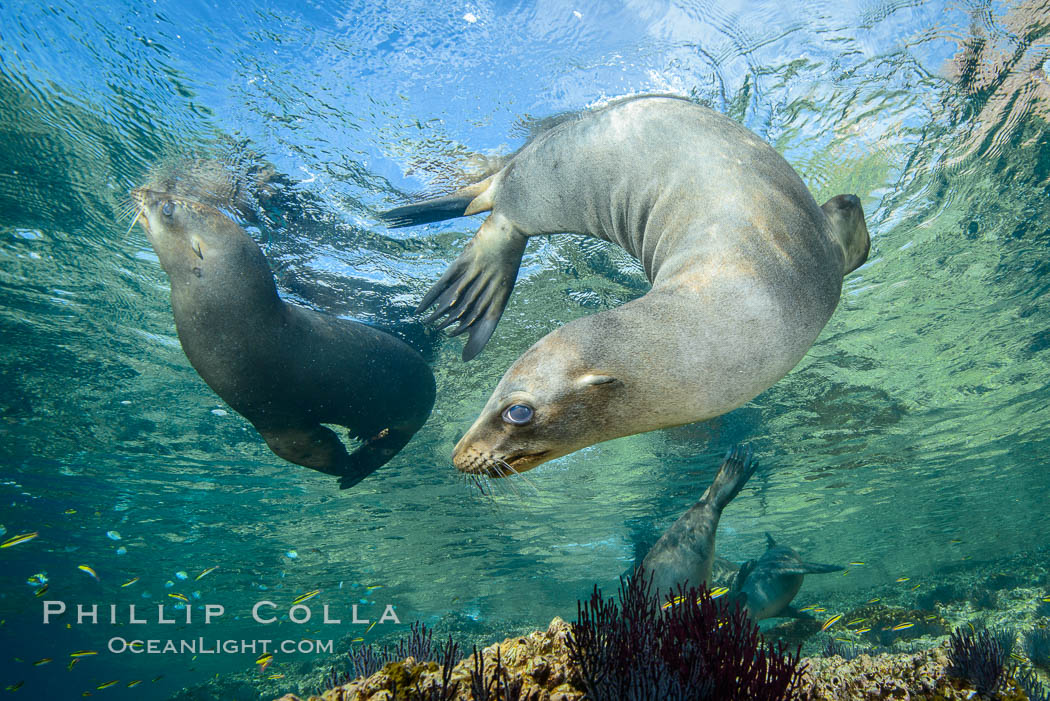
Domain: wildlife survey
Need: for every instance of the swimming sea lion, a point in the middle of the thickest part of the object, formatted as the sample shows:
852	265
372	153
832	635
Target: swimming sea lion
284	368
685	554
745	268
765	587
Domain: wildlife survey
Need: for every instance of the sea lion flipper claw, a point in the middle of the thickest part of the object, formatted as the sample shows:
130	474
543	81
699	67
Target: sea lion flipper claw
475	288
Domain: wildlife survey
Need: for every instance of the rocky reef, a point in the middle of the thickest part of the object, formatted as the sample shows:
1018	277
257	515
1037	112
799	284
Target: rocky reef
537	667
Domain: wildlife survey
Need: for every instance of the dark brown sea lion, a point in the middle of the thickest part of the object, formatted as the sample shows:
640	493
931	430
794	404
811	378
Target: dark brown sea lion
745	268
286	369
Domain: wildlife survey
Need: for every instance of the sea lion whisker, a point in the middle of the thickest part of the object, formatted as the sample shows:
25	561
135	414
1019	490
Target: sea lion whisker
524	479
505	481
134	221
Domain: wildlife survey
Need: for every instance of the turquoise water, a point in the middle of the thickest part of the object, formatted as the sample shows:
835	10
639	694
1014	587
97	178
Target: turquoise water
920	417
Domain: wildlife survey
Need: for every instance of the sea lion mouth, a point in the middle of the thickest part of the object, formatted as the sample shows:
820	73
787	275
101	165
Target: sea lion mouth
490	465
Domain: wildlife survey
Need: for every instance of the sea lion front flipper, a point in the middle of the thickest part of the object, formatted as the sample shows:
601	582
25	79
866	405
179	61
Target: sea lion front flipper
846	218
475	288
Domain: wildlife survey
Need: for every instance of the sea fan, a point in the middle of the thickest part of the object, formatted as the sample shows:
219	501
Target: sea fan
1033	688
980	657
694	649
1037	647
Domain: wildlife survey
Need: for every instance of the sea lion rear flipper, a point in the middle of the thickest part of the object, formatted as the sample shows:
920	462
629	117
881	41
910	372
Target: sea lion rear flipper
475	288
318	448
372	455
736	469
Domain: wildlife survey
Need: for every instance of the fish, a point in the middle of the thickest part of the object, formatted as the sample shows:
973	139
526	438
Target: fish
130	582
181	597
83	653
1046	598
264	658
206	572
42	661
856	621
808	608
71	663
902	579
902	626
305	597
113	535
831	621
276	676
134	682
874	601
954	541
35	580
819	610
862	630
158	678
106	685
374	586
916	586
857	563
357	640
42	590
18	539
85	568
719	591
16	686
70	511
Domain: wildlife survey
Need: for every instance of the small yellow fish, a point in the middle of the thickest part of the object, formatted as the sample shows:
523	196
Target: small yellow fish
16	686
181	597
158	678
902	626
874	601
86	693
857	563
357	640
862	630
720	591
374	586
954	541
372	626
1046	598
82	653
831	621
24	538
808	608
856	621
845	572
916	586
902	579
931	617
42	661
264	658
72	662
305	597
819	610
85	568
1019	658
130	582
275	676
70	511
106	685
206	572
42	590
134	682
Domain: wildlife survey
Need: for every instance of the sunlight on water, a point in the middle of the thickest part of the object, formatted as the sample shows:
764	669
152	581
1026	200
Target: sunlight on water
918	418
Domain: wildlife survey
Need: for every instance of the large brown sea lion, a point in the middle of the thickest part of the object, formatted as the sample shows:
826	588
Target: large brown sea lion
286	369
745	268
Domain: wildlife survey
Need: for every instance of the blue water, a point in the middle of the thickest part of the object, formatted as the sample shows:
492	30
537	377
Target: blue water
919	418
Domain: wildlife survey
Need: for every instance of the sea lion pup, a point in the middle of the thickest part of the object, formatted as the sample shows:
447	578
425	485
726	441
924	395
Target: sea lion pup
766	586
284	368
684	555
745	268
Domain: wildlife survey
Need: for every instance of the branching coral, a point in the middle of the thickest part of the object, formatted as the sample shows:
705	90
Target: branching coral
697	649
1033	688
980	656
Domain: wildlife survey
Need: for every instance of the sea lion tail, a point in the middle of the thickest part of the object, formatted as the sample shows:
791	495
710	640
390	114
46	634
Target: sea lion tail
464	202
846	218
736	470
475	288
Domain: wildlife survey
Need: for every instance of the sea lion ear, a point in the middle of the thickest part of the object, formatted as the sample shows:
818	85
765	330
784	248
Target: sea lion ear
594	379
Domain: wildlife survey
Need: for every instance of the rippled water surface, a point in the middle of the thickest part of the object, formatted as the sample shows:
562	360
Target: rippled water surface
918	418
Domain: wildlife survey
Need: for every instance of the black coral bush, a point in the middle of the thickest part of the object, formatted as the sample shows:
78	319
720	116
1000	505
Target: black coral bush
698	649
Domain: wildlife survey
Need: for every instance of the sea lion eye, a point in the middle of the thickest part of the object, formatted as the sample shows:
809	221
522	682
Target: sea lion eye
518	414
167	208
